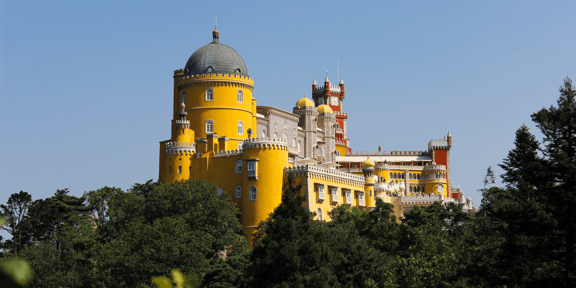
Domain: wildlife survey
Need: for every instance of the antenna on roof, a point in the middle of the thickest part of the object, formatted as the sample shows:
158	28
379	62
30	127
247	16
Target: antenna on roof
216	24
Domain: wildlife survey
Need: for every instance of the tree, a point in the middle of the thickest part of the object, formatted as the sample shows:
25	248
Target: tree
558	125
15	211
288	248
181	226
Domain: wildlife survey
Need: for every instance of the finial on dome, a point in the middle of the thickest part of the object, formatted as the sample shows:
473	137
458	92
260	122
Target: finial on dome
327	80
449	136
341	80
305	95
216	33
314	83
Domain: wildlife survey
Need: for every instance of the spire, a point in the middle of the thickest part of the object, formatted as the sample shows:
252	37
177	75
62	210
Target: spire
327	80
449	136
305	95
314	83
216	33
341	81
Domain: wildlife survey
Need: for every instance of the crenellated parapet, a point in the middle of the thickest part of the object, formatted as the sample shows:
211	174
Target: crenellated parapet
333	90
435	168
388	167
215	80
326	174
438	144
424	200
180	148
390	153
227	153
264	142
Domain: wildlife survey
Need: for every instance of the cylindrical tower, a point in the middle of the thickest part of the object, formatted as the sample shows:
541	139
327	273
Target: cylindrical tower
369	193
178	152
265	162
435	176
217	91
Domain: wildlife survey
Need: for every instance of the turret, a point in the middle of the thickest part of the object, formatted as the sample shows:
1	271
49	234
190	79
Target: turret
368	170
342	94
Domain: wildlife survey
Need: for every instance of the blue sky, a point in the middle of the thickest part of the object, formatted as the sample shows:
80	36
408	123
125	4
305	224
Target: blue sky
86	87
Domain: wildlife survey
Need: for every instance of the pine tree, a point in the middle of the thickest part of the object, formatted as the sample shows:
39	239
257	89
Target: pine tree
558	124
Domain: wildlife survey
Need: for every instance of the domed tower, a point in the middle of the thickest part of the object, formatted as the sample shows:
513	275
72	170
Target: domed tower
217	92
308	117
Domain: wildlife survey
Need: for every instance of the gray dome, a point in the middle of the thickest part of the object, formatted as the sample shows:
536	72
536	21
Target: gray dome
220	58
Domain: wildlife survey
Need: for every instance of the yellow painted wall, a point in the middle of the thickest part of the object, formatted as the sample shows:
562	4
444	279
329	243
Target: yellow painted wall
272	159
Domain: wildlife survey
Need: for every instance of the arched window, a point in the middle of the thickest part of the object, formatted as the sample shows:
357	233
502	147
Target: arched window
410	176
294	142
239	166
319	214
184	97
275	135
240	128
252	191
240	96
219	191
403	175
299	144
209	126
418	176
209	94
285	137
238	191
263	134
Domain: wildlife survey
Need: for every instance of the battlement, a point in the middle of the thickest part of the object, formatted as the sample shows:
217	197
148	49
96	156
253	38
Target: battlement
180	123
227	153
390	153
325	172
435	168
198	78
341	114
261	142
182	148
421	200
386	166
333	89
437	144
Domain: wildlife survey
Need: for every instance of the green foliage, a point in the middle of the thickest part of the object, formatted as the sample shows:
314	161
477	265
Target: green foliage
179	280
14	272
15	212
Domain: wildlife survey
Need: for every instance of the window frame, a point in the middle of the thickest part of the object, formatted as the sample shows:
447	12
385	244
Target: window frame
238	168
183	97
209	92
240	127
238	191
251	166
240	96
252	193
206	122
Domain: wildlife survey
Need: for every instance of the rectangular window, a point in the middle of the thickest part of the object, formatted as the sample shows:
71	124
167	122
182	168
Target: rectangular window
170	170
321	192
361	198
240	128
348	197
334	194
209	126
184	97
240	96
251	166
179	169
189	169
209	94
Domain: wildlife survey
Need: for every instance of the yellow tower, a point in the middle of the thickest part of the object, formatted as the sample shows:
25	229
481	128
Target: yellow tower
368	197
265	162
216	88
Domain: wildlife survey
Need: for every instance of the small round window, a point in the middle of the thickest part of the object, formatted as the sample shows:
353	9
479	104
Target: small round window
210	69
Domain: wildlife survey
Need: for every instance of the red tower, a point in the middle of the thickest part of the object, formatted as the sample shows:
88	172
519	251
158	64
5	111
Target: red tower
333	96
